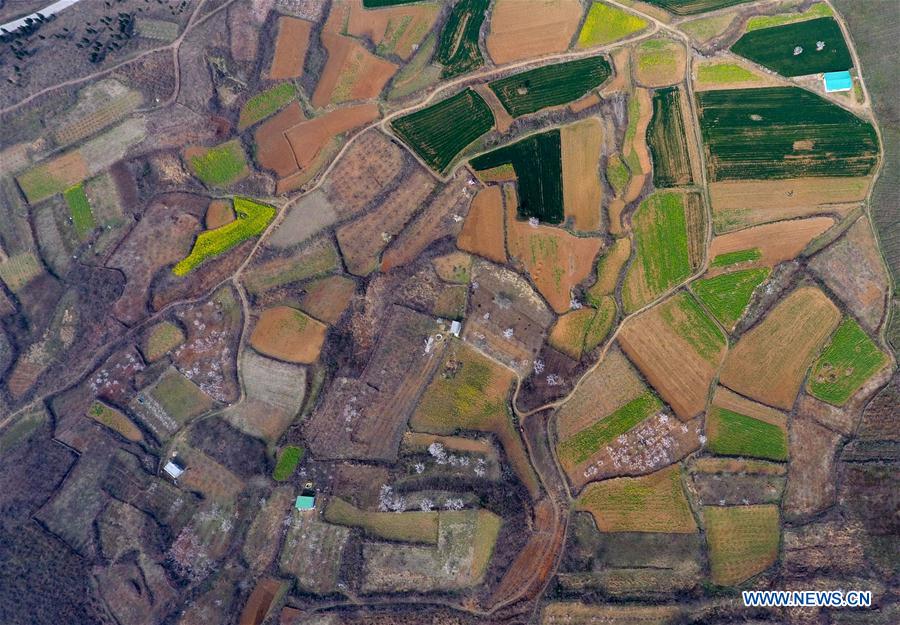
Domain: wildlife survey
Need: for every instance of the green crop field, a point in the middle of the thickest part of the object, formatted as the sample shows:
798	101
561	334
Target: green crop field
288	459
80	207
782	132
550	85
662	256
690	7
605	23
846	363
768	21
742	540
728	294
581	446
443	130
222	165
719	73
733	258
266	103
537	161
667	141
252	219
797	49
684	315
733	434
458	49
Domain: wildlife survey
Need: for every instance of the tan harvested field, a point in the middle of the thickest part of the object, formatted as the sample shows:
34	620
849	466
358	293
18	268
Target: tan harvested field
204	475
218	213
609	267
730	400
161	339
54	175
366	168
326	299
501	173
709	464
853	268
522	29
482	231
811	480
578	332
742	203
273	150
394	30
585	102
556	260
743	541
351	73
621	78
582	194
658	63
288	334
115	420
454	267
677	355
770	361
290	48
776	242
637	147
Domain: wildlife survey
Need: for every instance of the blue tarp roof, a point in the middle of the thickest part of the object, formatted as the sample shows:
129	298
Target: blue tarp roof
305	502
838	81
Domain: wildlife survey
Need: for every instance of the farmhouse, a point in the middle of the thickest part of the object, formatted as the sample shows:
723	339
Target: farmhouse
173	469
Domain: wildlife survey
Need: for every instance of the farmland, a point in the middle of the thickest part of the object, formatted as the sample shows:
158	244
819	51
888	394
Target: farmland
435	138
725	74
351	73
82	217
690	7
733	434
580	331
659	62
458	49
252	219
609	267
220	166
581	145
605	23
288	334
266	103
550	85
115	420
819	9
482	233
782	132
530	28
161	339
743	541
667	140
537	162
727	295
413	527
288	459
820	43
849	359
290	48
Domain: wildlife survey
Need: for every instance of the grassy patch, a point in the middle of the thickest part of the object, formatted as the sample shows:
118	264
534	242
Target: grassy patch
850	359
724	73
580	331
252	219
743	541
550	85
458	49
667	140
266	103
537	161
733	258
288	459
733	434
683	314
605	23
441	131
617	173
163	338
768	21
80	207
114	420
798	49
411	527
728	294
220	166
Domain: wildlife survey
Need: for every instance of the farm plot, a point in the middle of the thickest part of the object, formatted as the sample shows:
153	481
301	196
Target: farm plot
317	258
605	23
99	105
470	392
418	73
769	362
819	9
690	7
441	131
678	348
782	132
575	613
115	420
395	30
288	334
659	63
652	503
667	139
312	553
849	359
743	541
219	166
170	404
53	176
741	203
578	332
727	295
537	161
410	527
289	457
726	74
218	213
581	144
206	476
160	340
327	298
608	269
368	167
556	260
522	29
351	73
273	149
737	426
458	49
550	85
266	103
80	209
259	549
773	243
664	226
291	45
798	49
252	219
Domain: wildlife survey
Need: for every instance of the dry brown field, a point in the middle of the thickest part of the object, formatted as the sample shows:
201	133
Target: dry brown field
585	102
369	165
218	213
482	232
609	267
288	334
290	48
205	475
455	267
621	78
273	150
502	119
522	29
742	203
556	260
351	73
394	30
811	479
770	361
777	242
326	299
582	194
578	332
572	613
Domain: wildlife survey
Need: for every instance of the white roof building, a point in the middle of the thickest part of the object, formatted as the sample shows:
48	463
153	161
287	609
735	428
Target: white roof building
173	469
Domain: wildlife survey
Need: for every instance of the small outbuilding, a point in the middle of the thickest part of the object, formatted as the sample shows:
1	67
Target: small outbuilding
305	502
173	469
838	81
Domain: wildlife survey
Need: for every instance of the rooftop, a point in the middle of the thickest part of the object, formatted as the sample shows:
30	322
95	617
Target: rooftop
305	502
838	81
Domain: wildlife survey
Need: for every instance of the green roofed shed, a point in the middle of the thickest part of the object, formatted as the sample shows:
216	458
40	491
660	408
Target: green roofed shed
305	502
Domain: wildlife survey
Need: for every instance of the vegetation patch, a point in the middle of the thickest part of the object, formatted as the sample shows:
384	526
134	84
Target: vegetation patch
458	49
734	434
218	166
605	23
443	130
667	140
266	103
743	541
798	49
114	420
724	73
617	173
727	295
782	132
162	338
80	208
690	7
411	527
288	459
252	219
580	331
733	258
550	85
768	21
850	359
537	161
659	62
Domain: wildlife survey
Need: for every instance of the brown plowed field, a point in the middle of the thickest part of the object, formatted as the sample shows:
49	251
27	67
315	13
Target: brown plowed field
218	213
482	232
397	30
351	73
290	48
810	485
522	29
776	242
288	334
327	299
582	194
737	204
368	166
308	138
273	150
770	361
